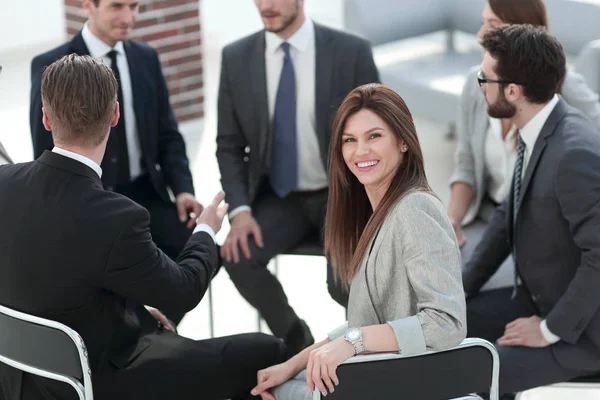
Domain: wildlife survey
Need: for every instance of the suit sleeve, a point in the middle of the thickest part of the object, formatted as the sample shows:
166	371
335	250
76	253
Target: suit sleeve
172	155
366	70
490	253
577	188
231	144
425	243
40	137
137	269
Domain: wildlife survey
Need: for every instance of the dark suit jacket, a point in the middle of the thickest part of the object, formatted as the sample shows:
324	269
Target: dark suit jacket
163	148
555	239
343	62
73	252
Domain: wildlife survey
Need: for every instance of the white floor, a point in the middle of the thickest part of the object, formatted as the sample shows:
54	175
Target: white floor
303	277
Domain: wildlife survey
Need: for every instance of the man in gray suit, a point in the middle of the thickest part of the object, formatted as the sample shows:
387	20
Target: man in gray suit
279	90
547	327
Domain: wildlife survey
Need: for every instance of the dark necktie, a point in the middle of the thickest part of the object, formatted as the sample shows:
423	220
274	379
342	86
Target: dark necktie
516	193
123	172
283	173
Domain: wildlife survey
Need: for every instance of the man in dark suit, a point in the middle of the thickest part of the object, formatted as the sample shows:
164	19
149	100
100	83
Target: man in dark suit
279	91
75	253
146	153
548	326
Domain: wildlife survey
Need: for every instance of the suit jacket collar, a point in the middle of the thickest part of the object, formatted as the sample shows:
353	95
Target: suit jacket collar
547	131
78	45
4	154
70	165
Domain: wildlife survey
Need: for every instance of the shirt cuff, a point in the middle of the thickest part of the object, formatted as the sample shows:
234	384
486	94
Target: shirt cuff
206	228
238	210
549	336
337	332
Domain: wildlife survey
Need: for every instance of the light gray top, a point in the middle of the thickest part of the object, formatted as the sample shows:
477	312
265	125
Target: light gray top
4	158
414	276
473	124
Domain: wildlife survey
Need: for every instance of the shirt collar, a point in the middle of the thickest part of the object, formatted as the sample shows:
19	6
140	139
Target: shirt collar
78	157
531	131
300	40
96	46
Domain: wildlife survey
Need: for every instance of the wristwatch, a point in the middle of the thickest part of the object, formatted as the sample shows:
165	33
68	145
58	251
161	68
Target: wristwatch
355	337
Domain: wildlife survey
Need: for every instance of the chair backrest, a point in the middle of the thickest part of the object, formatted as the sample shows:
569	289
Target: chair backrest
45	348
384	21
574	22
471	367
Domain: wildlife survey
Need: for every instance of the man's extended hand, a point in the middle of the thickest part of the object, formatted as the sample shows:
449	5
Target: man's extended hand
213	214
187	204
242	225
524	332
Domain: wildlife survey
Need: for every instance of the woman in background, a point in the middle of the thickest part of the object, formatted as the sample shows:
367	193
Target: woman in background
393	244
486	151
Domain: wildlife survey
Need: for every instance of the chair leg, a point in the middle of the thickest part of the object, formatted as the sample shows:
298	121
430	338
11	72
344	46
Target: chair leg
211	315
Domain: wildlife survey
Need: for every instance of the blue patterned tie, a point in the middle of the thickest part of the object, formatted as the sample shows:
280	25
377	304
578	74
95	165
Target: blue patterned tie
516	193
284	155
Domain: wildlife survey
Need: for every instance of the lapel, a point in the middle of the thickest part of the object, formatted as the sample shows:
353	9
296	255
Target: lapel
5	155
258	80
540	144
78	45
324	51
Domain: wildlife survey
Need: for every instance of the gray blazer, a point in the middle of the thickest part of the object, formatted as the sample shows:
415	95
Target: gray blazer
555	238
473	126
343	62
4	155
414	277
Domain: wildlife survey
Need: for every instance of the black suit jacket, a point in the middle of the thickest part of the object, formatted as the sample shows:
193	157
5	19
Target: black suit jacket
343	62
163	148
555	240
73	252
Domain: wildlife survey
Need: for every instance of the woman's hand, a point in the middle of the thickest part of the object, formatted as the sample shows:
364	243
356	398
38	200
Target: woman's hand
271	377
323	363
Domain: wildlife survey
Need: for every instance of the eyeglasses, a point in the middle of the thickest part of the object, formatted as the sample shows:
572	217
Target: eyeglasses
482	79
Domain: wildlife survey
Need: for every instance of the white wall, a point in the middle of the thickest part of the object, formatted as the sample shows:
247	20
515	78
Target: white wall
26	24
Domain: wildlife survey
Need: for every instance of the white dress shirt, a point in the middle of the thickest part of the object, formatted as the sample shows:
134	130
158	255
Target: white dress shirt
500	158
92	164
529	133
3	160
311	171
100	50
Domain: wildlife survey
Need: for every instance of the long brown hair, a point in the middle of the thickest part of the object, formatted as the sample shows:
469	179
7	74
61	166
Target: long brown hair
350	223
520	11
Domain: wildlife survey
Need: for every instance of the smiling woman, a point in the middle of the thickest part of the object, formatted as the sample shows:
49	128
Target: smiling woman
390	240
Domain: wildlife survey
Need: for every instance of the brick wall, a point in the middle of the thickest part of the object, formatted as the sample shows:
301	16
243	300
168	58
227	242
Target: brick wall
172	27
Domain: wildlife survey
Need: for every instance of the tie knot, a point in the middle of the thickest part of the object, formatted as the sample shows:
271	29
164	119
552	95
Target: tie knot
285	46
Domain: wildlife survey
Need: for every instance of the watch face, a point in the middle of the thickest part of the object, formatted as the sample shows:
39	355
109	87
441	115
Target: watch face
354	334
